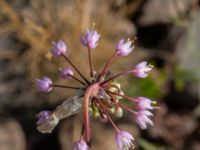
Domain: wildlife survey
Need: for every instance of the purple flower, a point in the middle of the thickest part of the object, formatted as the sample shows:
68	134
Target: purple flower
80	145
124	140
141	70
144	103
142	118
66	73
47	121
124	48
59	48
43	116
44	84
90	39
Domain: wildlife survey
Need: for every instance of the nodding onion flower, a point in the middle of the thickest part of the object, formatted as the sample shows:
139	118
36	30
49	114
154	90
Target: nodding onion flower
99	96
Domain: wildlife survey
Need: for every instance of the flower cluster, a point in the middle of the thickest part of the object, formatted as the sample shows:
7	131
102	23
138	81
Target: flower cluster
101	95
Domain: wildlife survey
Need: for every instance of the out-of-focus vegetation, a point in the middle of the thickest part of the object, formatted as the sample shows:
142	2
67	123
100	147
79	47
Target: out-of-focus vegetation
167	36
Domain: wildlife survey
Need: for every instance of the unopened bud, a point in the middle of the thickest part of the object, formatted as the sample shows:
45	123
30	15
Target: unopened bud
103	118
119	112
112	110
96	114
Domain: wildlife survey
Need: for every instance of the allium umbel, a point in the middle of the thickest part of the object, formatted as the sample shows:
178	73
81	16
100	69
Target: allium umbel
99	96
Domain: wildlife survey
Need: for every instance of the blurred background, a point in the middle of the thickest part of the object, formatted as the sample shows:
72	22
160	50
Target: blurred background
167	34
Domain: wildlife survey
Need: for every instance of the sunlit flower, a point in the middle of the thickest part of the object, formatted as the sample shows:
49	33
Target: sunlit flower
90	39
124	140
142	118
66	73
80	145
144	103
59	48
124	48
44	84
141	70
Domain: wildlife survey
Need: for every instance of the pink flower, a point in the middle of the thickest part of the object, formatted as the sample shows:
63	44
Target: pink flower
80	145
43	116
142	118
124	48
59	48
141	70
47	121
90	39
144	103
124	140
66	73
44	84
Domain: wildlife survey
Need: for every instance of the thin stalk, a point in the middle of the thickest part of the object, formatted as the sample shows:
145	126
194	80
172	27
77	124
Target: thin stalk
107	64
75	78
127	108
113	77
90	63
67	59
109	118
68	87
124	96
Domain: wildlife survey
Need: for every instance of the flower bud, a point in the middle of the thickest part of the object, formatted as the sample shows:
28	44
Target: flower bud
66	73
119	112
44	84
